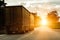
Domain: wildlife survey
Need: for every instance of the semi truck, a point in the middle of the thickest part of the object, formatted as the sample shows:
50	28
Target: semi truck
18	19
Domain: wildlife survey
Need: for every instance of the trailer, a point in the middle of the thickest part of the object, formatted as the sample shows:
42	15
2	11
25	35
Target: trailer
17	19
32	21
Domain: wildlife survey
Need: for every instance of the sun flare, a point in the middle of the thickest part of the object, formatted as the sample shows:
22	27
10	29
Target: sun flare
43	22
43	25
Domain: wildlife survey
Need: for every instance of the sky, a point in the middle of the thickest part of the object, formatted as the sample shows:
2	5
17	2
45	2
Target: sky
10	2
42	7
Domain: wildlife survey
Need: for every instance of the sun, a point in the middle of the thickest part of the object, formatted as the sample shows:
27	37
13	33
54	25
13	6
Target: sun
43	25
44	22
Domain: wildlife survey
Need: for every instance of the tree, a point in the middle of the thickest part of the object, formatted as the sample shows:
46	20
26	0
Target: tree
52	17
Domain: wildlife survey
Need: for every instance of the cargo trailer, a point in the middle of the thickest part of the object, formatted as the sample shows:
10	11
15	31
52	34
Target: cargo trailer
17	19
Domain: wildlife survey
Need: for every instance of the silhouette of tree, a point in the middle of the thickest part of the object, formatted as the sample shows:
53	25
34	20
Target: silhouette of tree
53	17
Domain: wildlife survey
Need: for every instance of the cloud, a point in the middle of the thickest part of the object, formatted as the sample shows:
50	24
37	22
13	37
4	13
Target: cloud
10	2
32	5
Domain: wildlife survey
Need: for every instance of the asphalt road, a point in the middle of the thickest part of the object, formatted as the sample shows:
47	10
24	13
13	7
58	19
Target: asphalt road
37	34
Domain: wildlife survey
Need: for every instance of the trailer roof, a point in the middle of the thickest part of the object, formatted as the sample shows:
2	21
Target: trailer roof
20	6
17	6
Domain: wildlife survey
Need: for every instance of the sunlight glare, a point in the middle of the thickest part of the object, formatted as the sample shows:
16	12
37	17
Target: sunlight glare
43	22
44	28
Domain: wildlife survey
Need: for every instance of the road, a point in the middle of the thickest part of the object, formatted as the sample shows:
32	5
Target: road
37	34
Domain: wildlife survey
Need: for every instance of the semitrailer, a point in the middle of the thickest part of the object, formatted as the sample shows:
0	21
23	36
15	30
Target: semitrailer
17	19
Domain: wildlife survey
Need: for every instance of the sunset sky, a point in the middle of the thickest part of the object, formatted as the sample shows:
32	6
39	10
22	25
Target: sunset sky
42	7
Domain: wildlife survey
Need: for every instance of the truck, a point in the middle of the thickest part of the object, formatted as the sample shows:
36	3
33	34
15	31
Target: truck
17	19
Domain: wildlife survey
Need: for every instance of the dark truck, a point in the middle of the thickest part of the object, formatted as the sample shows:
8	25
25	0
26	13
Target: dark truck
18	19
